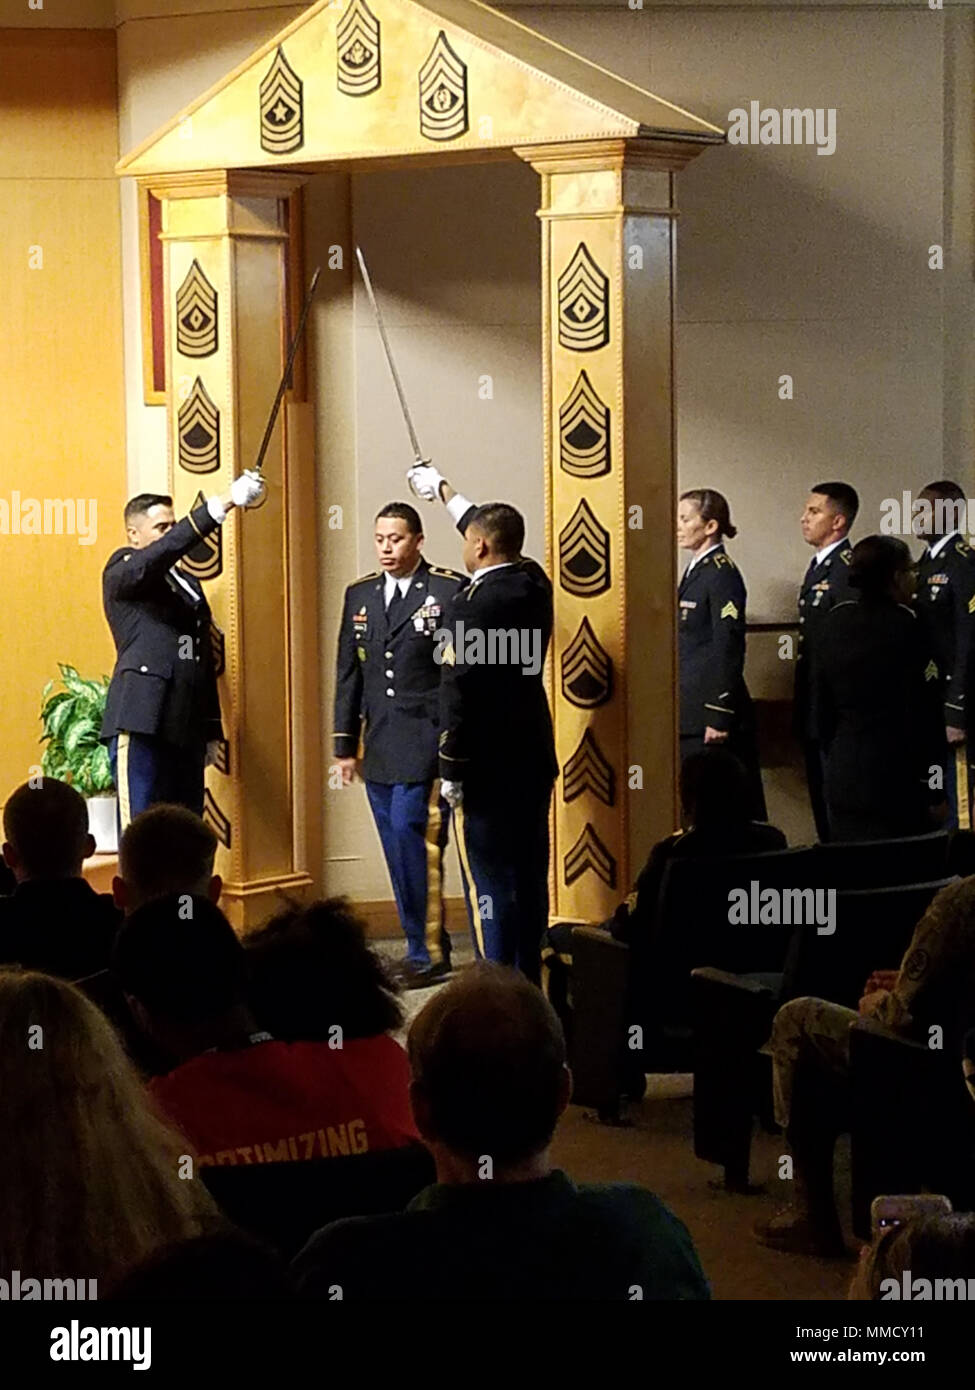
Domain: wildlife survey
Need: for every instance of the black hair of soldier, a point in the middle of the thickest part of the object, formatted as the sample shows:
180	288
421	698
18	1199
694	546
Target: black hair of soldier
875	562
311	968
503	525
402	511
843	497
143	504
944	491
712	506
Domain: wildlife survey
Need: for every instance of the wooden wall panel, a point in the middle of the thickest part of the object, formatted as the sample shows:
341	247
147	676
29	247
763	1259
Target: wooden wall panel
60	362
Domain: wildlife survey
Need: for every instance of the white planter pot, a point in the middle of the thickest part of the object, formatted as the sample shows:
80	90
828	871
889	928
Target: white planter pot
102	823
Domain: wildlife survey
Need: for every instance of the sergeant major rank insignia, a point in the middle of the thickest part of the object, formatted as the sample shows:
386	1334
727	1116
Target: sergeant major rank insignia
359	71
282	108
443	93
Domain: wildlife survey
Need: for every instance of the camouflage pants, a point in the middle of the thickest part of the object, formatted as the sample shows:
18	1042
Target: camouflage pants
812	1029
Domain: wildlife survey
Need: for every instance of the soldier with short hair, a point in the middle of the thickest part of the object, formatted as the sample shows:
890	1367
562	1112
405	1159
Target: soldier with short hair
388	694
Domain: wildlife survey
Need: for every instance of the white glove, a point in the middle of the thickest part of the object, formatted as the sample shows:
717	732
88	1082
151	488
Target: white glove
246	489
425	481
213	752
452	793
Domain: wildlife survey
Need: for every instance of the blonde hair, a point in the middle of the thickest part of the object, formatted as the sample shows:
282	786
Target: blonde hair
89	1180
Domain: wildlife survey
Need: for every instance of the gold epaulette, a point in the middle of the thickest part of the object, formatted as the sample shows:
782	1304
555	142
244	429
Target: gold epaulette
445	573
365	577
720	560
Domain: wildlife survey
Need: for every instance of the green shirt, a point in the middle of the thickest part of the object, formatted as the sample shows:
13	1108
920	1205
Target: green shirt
546	1239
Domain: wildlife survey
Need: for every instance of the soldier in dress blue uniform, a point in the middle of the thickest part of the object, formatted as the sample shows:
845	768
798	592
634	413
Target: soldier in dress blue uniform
715	707
497	746
162	713
828	515
388	691
945	603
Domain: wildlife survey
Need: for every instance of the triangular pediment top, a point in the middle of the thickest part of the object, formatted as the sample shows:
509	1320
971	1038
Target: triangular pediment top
353	80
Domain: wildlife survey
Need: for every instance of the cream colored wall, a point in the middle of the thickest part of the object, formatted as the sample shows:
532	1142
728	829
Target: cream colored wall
789	262
163	64
60	362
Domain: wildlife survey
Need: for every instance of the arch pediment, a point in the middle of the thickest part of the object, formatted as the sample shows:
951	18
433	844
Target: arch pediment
366	81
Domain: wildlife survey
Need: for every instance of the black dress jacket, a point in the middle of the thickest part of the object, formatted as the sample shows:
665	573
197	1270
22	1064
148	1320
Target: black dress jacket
823	587
164	681
388	681
881	725
496	726
711	646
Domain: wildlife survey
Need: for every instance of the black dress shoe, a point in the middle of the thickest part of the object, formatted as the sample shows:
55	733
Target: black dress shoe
412	976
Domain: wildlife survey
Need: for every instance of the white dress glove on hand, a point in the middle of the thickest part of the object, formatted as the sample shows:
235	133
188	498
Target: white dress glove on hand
246	489
425	481
452	793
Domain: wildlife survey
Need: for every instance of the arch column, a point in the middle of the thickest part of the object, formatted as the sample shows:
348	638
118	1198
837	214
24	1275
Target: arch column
225	241
608	269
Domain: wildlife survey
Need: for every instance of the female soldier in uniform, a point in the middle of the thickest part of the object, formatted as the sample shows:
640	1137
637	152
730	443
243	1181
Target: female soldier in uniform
883	726
715	707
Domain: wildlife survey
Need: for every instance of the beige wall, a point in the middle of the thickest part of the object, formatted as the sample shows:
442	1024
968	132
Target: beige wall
60	361
789	262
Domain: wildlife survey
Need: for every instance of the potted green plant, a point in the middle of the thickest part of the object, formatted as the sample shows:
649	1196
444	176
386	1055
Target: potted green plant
71	720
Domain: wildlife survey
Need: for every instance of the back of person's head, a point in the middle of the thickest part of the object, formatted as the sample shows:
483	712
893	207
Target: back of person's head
89	1175
45	826
487	1056
875	564
181	960
225	1264
843	498
503	526
930	1247
166	849
714	788
311	971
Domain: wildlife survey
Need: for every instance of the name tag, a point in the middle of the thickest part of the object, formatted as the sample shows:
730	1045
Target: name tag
688	603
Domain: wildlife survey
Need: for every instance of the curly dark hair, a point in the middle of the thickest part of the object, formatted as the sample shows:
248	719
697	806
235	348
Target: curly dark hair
310	969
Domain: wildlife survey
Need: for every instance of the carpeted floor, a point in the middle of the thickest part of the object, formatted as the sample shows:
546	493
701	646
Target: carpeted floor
656	1151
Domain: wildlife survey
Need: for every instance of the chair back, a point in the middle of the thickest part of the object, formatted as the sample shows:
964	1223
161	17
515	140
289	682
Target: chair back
873	929
283	1204
883	863
695	926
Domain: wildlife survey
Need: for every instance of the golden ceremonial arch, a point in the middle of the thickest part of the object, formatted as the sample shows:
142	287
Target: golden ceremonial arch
391	82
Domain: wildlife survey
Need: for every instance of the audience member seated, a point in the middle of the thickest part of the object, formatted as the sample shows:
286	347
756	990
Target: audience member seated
53	921
714	800
935	985
89	1175
931	1248
238	1094
311	970
714	792
166	849
227	1265
489	1085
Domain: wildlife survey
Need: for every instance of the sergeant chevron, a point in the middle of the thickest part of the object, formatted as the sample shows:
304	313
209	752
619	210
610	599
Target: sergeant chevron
492	646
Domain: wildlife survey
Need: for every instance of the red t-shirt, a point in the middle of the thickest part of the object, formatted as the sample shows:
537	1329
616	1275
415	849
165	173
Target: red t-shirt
278	1102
